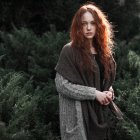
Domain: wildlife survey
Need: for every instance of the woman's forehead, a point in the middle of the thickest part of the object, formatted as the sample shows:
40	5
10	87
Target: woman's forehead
87	16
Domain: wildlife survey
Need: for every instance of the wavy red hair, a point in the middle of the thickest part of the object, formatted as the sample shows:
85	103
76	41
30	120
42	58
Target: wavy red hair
102	41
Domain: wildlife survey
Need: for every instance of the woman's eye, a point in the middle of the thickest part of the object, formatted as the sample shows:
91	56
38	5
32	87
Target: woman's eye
93	23
83	24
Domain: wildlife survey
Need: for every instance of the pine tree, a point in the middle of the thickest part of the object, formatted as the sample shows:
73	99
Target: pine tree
127	87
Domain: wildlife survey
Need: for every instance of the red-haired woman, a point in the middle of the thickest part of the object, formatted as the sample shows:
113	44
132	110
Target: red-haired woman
85	73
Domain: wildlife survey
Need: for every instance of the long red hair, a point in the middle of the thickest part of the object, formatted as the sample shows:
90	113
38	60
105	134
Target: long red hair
103	39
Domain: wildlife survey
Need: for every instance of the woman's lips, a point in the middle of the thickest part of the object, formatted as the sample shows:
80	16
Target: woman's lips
89	33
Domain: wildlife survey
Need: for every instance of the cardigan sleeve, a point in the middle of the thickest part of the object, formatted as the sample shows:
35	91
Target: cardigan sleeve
74	91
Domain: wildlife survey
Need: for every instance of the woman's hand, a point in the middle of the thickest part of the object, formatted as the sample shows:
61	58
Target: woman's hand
110	96
103	97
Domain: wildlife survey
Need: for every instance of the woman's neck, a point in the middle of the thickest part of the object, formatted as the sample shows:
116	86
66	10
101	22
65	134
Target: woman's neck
93	50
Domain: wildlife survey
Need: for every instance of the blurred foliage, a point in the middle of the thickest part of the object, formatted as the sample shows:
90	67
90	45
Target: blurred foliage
127	89
40	15
28	97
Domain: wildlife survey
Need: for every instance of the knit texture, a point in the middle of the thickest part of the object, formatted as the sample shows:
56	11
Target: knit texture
71	119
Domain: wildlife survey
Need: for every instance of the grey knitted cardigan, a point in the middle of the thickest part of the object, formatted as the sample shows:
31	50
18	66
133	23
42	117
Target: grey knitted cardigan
70	111
71	117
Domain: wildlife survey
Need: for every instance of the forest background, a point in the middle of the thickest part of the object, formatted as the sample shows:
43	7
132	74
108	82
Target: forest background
32	34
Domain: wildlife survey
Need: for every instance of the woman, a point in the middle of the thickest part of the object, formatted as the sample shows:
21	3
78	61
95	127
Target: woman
85	73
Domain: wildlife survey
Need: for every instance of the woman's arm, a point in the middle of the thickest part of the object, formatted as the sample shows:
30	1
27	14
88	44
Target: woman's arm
74	91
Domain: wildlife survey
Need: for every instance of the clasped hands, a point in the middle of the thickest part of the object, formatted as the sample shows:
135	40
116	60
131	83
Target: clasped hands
104	97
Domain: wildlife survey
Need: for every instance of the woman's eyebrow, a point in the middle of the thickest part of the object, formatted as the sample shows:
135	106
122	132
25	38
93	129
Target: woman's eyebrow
88	21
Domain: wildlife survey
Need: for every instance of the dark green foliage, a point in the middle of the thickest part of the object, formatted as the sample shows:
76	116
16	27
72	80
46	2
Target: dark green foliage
127	89
28	97
22	50
37	15
25	115
40	15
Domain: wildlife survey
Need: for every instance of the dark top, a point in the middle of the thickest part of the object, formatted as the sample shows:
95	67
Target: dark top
101	69
90	108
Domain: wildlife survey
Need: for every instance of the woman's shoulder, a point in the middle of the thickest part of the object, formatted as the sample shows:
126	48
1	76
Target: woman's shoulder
67	48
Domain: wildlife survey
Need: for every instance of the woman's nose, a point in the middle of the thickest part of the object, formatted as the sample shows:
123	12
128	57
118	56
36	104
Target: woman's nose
88	27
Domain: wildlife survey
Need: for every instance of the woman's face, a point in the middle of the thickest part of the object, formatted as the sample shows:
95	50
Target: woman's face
88	25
